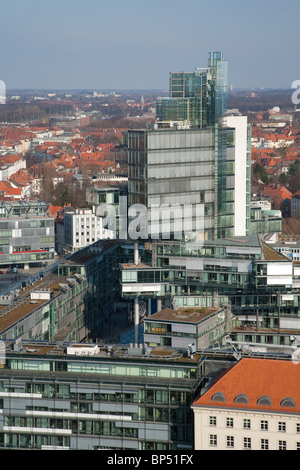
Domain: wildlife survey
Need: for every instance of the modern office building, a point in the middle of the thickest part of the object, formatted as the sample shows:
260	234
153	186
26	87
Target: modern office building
109	201
192	172
64	387
26	241
56	396
73	301
194	328
198	98
253	406
26	234
258	284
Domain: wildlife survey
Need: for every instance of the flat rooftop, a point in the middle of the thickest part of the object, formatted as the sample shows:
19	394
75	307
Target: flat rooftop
113	352
183	315
135	266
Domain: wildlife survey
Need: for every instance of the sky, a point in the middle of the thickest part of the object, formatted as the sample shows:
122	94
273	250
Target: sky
134	44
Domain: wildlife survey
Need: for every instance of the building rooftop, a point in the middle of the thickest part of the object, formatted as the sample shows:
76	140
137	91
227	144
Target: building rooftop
98	352
135	266
184	315
270	254
24	304
256	384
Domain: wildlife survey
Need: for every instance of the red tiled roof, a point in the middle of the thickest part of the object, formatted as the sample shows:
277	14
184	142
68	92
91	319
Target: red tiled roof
280	192
255	378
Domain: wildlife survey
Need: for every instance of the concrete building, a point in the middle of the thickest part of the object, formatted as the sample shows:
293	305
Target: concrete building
258	284
80	228
26	240
56	396
187	327
74	300
253	406
91	396
295	205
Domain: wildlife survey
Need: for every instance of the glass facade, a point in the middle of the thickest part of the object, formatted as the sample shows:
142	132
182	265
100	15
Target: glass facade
198	97
97	403
192	157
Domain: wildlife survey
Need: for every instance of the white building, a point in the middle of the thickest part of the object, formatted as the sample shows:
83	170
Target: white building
11	164
255	405
81	228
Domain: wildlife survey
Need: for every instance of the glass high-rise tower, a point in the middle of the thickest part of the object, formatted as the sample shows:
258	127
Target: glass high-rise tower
195	154
198	98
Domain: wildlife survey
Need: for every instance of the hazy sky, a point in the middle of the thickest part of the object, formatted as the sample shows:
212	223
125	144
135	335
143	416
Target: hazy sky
134	44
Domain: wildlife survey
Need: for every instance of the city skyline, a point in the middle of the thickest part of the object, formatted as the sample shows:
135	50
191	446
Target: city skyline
133	45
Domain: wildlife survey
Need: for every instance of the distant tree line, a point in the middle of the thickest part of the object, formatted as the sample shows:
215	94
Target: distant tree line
24	112
263	100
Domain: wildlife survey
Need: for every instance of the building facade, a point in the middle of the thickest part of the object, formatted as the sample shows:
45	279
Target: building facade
254	406
199	97
80	397
187	328
74	301
26	241
82	227
194	156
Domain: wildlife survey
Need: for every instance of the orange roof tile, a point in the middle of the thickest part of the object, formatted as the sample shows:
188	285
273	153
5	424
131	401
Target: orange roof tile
276	379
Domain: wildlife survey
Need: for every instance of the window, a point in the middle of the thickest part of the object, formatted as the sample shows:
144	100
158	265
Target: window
247	443
297	445
230	442
212	421
247	424
264	425
241	398
282	445
264	444
265	400
213	440
219	396
288	402
229	422
298	427
281	426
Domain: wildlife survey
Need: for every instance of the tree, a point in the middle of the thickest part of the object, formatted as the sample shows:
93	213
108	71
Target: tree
260	171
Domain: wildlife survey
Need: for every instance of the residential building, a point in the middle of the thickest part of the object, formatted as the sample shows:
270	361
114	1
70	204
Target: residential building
14	163
254	405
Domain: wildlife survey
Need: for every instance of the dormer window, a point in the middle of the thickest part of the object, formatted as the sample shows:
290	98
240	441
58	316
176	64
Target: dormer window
219	396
